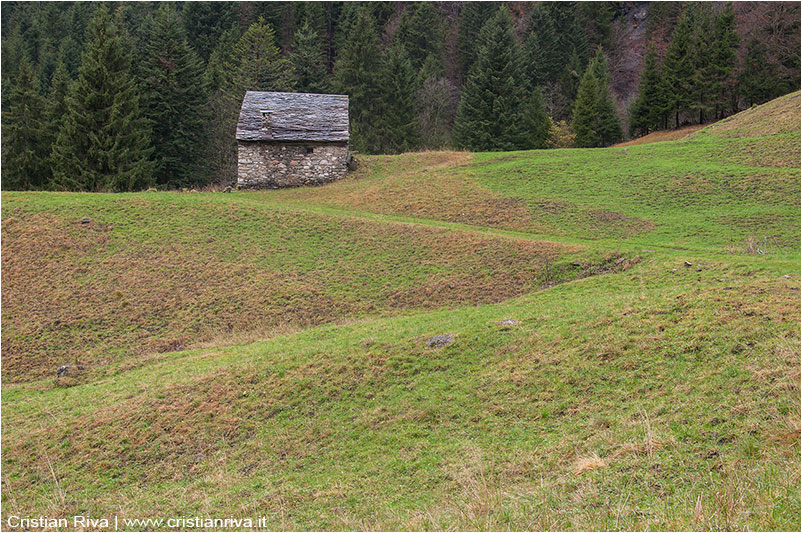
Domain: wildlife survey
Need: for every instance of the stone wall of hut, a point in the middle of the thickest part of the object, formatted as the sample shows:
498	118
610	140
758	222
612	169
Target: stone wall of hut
265	165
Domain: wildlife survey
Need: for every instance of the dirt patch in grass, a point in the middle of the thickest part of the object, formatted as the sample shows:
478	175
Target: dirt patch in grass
86	294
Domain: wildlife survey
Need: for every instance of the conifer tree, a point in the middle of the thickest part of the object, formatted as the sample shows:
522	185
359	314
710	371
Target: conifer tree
218	73
538	123
205	23
594	120
174	103
490	116
678	68
399	123
421	34
648	110
725	46
308	61
358	73
543	59
259	63
473	15
25	145
758	78
223	110
103	144
702	100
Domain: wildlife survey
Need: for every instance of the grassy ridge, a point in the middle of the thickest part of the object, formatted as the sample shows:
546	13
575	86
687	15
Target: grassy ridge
663	395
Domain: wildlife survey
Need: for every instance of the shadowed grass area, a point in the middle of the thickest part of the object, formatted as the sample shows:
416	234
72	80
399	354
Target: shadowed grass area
661	393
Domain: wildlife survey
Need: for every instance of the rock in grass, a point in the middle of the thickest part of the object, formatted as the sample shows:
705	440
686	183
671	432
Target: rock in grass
438	341
508	323
68	370
86	220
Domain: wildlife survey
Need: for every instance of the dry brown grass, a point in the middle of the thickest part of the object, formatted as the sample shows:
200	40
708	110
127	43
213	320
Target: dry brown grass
781	115
663	135
587	463
82	294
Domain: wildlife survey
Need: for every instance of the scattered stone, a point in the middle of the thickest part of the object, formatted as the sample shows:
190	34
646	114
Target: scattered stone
66	370
698	269
200	457
576	264
620	260
688	264
438	341
228	189
786	276
86	220
508	323
351	163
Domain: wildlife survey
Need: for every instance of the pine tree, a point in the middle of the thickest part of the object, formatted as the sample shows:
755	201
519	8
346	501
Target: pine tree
309	62
490	116
725	46
399	123
175	102
648	109
358	73
473	15
594	120
678	68
103	144
25	145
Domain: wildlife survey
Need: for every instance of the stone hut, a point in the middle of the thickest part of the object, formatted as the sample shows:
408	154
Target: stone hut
291	139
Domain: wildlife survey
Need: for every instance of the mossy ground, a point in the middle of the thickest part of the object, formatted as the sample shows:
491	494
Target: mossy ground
661	394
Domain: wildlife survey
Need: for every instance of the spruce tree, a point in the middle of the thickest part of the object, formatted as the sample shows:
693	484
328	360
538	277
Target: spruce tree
24	130
358	73
259	64
175	102
309	62
490	116
421	33
678	69
758	78
399	123
702	101
223	110
594	120
473	15
538	123
103	144
725	46
543	58
648	110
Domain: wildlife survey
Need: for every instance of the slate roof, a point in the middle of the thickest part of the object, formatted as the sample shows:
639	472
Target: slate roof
270	116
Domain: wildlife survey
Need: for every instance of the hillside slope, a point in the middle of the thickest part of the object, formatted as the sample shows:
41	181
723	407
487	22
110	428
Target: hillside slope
660	393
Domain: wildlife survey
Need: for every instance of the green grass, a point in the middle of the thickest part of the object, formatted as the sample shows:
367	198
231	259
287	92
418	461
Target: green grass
655	395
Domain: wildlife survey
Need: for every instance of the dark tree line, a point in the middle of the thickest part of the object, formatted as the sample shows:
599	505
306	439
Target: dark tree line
130	95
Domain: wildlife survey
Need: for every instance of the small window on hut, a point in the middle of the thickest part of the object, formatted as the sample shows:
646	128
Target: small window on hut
266	120
309	149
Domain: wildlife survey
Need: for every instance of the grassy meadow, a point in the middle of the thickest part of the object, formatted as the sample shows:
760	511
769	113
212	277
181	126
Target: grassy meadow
625	355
